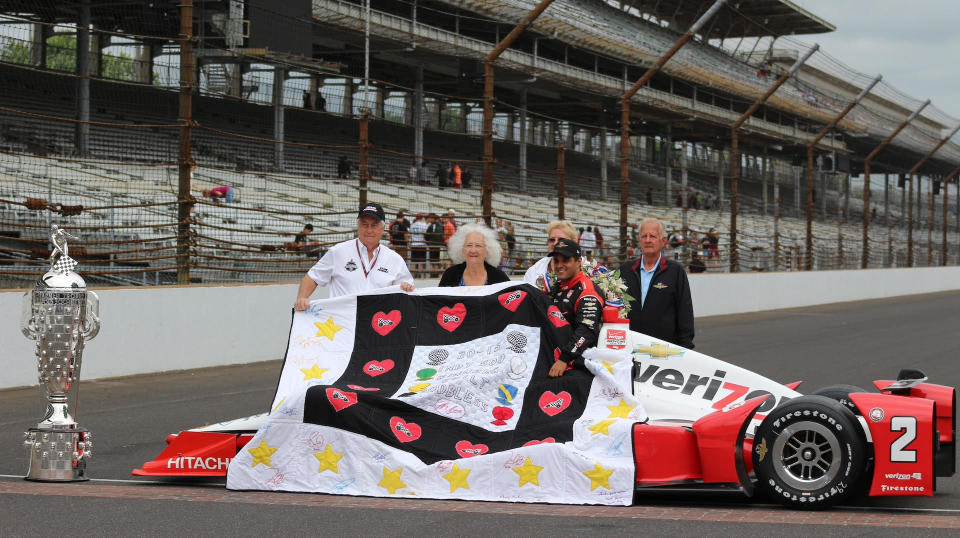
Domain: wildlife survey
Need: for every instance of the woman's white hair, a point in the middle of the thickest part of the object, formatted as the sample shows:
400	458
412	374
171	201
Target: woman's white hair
492	243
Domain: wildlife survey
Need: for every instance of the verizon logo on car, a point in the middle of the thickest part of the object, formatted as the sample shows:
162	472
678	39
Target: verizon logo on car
713	388
904	476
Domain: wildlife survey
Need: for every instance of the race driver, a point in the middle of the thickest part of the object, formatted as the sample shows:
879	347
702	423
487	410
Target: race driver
578	301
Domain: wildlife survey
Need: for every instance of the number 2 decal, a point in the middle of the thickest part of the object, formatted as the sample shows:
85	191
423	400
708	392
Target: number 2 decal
898	451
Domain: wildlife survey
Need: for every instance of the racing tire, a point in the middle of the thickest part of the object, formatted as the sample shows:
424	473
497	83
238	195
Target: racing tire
841	394
809	453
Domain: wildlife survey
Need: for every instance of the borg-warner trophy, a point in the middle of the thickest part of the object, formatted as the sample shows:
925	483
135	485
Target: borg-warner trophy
60	314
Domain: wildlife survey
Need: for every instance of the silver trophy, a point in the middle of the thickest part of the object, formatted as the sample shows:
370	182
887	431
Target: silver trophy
60	314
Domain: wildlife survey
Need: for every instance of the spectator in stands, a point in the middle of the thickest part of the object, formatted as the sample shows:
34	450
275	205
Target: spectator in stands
696	264
310	249
598	237
434	238
662	306
588	242
422	177
467	177
225	193
412	173
357	265
711	243
343	167
476	252
511	262
675	240
449	228
399	235
441	176
457	176
450	174
418	244
649	195
556	230
575	297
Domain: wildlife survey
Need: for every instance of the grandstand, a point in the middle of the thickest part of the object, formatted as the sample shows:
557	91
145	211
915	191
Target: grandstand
96	145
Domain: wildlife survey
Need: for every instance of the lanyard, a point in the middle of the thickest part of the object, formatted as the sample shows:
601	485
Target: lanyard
366	272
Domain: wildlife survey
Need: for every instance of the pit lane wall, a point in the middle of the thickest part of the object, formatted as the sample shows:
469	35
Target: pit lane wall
159	329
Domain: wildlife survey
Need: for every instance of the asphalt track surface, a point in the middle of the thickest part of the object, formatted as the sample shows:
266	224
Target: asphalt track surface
852	343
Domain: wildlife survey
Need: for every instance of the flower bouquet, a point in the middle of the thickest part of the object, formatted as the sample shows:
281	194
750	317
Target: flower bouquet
609	284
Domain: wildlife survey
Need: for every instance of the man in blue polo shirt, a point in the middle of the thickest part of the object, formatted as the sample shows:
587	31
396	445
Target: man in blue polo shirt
662	307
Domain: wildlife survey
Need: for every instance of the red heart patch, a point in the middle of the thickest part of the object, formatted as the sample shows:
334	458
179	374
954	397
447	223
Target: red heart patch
340	399
466	449
384	323
511	300
450	317
554	404
403	430
375	368
358	387
548	440
556	317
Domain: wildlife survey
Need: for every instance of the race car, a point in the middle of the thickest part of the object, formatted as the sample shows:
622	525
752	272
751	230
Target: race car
711	423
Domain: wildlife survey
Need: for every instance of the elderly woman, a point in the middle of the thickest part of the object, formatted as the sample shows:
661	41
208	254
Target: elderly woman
556	230
476	252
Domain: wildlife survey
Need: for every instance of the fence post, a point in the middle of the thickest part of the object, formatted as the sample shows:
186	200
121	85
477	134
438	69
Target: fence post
364	153
561	180
185	162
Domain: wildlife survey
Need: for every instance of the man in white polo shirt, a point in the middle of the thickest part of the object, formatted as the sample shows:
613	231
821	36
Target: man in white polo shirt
357	265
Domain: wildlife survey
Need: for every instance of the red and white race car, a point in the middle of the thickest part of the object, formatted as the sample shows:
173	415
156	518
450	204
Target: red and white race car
713	424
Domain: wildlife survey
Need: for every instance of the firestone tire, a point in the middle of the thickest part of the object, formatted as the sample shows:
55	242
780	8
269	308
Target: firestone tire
809	453
841	393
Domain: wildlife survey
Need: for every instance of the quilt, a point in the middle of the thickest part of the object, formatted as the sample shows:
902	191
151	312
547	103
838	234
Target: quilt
443	393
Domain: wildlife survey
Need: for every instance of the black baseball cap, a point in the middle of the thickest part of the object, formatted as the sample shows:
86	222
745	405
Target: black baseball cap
372	209
567	248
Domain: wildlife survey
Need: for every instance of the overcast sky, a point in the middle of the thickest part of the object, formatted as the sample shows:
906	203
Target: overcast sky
913	44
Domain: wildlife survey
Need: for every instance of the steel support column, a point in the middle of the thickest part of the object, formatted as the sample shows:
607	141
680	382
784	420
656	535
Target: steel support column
561	181
486	192
625	117
735	154
808	263
82	130
187	70
865	254
910	201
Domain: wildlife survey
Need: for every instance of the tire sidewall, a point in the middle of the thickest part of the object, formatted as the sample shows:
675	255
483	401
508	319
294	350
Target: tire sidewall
840	422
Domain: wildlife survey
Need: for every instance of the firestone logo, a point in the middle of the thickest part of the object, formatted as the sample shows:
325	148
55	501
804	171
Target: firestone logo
915	489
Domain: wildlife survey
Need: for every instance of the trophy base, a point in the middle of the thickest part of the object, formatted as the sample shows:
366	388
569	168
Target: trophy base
57	455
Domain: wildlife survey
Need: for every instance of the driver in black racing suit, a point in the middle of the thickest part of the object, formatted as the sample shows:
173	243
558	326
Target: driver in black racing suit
578	301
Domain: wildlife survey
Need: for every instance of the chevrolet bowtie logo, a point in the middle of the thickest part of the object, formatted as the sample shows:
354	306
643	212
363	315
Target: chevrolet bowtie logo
658	351
447	318
660	285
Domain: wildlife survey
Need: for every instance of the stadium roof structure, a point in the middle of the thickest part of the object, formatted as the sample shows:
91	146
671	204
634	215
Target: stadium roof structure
774	17
155	18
